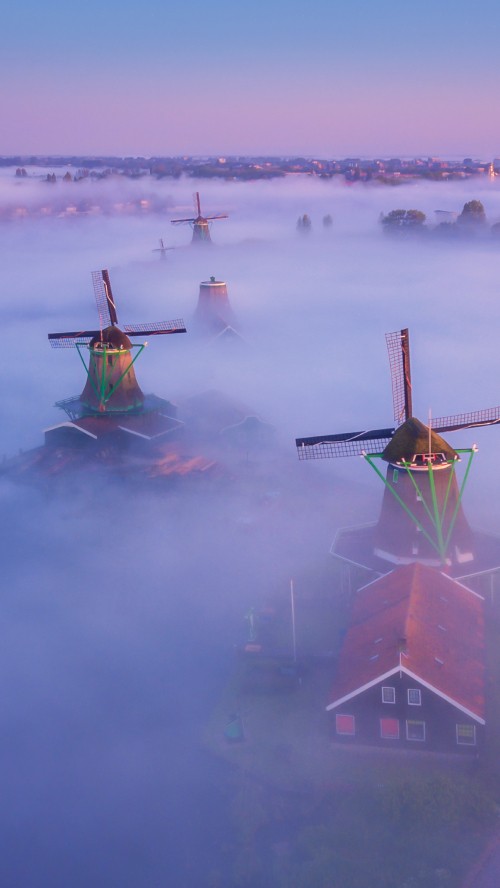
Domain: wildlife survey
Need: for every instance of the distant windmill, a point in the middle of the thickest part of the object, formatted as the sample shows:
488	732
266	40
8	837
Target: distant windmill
214	315
111	385
162	249
421	517
199	223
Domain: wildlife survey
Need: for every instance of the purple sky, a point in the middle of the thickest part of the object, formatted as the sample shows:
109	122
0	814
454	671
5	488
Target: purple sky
323	78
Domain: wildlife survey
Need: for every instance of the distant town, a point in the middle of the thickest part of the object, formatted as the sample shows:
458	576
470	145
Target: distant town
353	169
57	185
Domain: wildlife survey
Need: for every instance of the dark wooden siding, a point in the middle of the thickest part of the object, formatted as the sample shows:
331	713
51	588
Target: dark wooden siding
440	717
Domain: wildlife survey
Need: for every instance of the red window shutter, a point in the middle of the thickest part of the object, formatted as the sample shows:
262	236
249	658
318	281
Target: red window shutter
389	728
345	724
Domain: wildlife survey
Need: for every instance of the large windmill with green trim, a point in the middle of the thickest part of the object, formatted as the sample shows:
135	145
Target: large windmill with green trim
421	518
111	387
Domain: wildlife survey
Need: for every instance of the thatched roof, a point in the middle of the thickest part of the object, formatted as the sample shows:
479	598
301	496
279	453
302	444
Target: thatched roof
113	337
413	437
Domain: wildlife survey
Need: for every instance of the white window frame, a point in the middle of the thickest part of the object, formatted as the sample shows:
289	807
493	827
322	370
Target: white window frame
346	733
414	691
391	736
460	741
388	688
416	739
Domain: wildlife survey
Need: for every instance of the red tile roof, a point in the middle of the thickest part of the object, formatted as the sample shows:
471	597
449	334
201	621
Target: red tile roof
420	621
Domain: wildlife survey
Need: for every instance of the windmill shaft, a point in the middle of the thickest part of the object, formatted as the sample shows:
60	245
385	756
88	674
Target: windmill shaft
405	354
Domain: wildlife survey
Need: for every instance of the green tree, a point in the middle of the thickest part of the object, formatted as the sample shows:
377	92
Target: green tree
403	220
304	224
472	213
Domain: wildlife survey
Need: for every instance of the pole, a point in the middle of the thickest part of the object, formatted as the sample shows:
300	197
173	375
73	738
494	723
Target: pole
294	639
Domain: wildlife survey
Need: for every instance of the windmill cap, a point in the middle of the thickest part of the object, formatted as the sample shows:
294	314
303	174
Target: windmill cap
412	439
112	337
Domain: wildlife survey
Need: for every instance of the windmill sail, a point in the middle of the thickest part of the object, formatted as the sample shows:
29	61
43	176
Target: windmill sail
71	339
398	346
475	419
346	444
106	307
156	328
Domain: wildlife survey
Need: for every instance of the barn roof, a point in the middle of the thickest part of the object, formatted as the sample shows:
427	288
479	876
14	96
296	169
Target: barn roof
419	621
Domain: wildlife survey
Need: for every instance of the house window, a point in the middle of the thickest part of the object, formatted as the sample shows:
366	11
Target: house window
466	735
388	695
389	728
414	697
415	730
345	724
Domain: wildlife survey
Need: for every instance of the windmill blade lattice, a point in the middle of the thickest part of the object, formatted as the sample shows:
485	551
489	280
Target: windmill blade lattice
106	307
71	340
346	444
157	328
398	346
475	419
108	318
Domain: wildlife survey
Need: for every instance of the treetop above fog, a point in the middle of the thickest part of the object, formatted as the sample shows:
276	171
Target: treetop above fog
471	219
404	219
472	213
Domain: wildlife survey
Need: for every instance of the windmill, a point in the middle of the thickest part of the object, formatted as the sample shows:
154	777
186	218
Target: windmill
214	316
421	517
111	386
162	249
200	224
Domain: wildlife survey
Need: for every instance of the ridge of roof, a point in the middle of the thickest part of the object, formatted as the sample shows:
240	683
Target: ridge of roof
414	618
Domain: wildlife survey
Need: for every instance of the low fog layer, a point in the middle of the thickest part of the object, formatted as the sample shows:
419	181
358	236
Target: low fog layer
121	606
314	309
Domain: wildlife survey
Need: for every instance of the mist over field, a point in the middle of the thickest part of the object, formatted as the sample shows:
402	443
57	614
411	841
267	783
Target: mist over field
121	605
